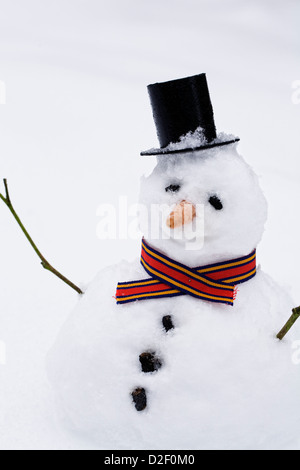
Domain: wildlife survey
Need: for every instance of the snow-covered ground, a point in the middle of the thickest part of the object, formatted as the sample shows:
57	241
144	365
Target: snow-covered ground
76	117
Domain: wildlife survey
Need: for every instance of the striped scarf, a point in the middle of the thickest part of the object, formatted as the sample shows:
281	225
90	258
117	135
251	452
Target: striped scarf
215	282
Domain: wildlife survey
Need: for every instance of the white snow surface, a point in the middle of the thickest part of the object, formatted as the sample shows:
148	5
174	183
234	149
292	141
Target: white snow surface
76	117
225	381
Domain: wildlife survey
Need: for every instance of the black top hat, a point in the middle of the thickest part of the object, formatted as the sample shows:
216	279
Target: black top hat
184	116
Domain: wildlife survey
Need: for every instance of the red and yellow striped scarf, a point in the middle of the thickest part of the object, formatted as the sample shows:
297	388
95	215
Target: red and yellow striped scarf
215	282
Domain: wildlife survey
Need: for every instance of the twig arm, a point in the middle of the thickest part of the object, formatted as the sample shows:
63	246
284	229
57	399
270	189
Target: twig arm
6	191
289	323
46	265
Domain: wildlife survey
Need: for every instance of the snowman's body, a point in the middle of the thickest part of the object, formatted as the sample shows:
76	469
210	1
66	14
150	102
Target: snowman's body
225	381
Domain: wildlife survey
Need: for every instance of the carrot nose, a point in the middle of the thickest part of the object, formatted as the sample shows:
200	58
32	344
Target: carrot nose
184	213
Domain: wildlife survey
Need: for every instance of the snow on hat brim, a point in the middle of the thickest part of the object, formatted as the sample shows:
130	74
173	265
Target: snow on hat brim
192	142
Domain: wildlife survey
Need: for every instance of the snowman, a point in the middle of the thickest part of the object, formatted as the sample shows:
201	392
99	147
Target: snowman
184	355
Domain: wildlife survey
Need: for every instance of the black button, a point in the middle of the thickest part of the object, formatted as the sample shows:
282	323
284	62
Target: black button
139	398
149	362
167	322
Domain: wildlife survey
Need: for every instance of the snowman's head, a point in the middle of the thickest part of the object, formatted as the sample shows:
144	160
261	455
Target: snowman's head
207	206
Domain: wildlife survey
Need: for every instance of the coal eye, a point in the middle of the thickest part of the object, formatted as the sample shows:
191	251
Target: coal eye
173	188
216	203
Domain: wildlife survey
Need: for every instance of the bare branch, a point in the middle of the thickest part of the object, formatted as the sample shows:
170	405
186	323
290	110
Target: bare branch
7	192
289	323
46	265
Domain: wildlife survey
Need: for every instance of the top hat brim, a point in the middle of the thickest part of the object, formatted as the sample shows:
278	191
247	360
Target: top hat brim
172	150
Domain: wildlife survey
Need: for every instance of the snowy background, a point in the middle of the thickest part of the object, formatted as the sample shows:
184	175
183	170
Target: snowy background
76	117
